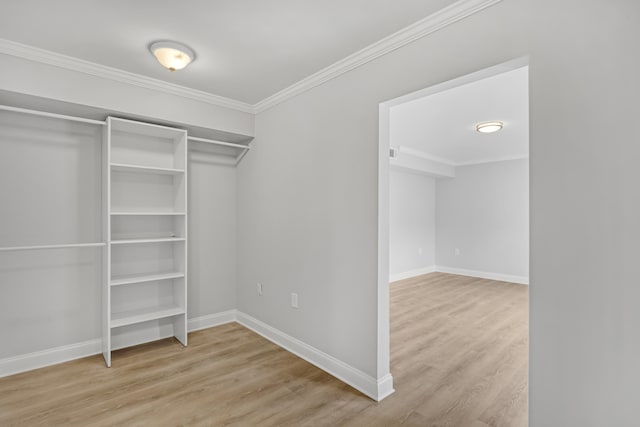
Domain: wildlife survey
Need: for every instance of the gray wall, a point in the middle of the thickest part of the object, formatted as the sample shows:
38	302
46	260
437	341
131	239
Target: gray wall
412	220
50	175
484	212
308	196
212	235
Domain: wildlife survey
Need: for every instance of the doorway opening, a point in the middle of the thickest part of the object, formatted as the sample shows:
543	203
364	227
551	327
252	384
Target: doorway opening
454	242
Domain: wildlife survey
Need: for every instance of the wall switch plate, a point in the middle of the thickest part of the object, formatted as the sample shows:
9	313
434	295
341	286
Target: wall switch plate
457	251
294	300
259	286
419	251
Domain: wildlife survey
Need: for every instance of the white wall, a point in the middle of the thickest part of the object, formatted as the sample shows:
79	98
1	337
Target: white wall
313	178
412	221
484	212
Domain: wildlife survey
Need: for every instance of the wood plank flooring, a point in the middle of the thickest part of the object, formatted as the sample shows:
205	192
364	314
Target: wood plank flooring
458	355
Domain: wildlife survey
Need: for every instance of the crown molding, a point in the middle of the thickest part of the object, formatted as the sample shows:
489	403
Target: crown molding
432	23
43	56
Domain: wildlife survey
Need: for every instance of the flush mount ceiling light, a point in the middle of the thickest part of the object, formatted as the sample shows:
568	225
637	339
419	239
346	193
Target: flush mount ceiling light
488	127
172	55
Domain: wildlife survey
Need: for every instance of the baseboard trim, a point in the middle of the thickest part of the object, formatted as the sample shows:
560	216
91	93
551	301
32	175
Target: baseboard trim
412	273
53	356
523	280
375	389
211	320
40	359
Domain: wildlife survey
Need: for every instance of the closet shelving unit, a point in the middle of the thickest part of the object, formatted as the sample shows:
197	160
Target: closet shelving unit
145	228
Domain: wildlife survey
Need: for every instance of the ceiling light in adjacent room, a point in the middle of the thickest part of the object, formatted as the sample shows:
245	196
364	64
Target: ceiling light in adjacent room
489	127
172	55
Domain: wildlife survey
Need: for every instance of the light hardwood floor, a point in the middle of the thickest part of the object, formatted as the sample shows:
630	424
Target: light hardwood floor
458	356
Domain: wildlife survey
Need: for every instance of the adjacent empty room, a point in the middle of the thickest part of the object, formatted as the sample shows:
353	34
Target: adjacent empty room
459	248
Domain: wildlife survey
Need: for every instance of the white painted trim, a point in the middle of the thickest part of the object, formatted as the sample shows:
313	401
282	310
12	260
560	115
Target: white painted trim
383	352
432	23
375	389
53	356
523	280
43	56
40	359
385	387
211	320
412	273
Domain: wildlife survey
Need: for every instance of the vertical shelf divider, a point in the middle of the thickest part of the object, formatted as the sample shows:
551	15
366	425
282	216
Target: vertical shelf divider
106	237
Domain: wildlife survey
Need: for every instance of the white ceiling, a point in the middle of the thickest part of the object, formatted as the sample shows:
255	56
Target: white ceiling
247	49
442	125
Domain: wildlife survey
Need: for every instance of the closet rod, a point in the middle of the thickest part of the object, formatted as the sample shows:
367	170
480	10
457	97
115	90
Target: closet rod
52	115
241	155
71	245
226	144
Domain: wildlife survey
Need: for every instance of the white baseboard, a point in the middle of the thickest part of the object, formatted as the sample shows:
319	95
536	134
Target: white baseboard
385	387
211	320
523	280
375	389
412	273
40	359
53	356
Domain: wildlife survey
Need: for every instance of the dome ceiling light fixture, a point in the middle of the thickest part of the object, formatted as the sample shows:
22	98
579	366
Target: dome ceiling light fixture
172	55
489	127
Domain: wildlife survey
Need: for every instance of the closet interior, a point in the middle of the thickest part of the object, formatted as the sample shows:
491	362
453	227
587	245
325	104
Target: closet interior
100	221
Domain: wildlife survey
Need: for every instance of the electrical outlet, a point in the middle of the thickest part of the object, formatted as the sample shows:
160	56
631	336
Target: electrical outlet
259	286
457	251
294	300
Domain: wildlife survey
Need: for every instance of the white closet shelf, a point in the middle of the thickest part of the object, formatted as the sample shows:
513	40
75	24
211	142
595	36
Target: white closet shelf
144	315
123	213
122	167
142	278
155	240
